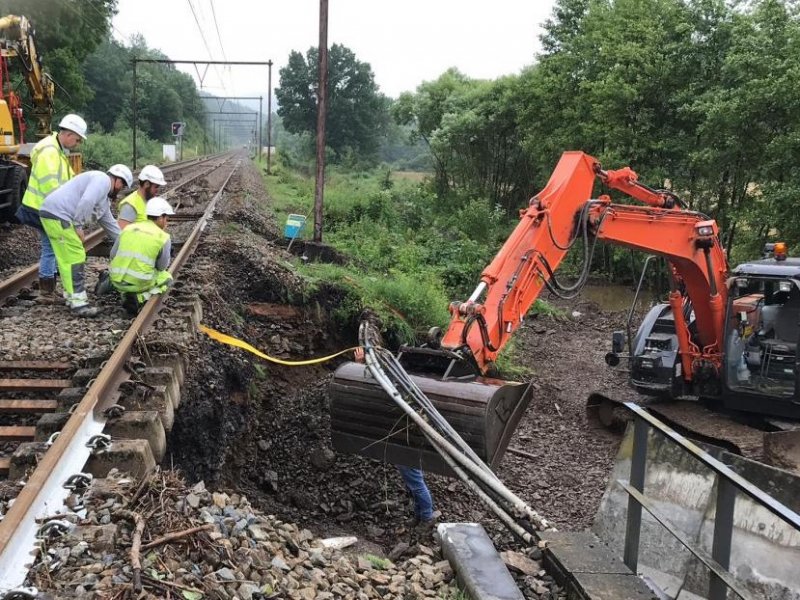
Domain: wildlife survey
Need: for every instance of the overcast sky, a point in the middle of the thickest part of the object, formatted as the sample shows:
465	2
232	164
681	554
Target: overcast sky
406	42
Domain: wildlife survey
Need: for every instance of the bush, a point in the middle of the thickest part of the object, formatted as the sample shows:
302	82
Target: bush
101	150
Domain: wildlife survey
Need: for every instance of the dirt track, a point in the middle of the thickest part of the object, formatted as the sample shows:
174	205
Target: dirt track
264	429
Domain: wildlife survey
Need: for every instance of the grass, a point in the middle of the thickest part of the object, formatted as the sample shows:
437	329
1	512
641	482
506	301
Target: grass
545	309
377	562
411	252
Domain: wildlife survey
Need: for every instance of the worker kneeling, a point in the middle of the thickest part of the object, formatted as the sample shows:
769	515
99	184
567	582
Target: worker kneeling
140	258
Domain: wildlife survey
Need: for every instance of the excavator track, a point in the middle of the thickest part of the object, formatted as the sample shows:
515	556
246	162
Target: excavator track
692	419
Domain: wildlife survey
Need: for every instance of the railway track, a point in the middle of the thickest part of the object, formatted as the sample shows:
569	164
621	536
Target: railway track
195	169
78	399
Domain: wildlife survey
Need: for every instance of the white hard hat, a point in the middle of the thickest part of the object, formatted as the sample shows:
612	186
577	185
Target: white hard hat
74	123
152	174
122	172
157	207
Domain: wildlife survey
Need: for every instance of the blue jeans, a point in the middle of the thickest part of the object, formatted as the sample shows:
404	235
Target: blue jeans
47	260
415	482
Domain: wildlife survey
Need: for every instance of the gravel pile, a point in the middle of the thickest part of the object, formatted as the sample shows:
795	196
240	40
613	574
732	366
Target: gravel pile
193	543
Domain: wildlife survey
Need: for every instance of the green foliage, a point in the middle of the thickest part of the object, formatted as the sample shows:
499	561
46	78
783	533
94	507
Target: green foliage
357	114
407	305
377	562
101	150
545	309
66	33
508	365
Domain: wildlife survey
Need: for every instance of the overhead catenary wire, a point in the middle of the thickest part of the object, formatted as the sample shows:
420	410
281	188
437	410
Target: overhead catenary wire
221	47
205	43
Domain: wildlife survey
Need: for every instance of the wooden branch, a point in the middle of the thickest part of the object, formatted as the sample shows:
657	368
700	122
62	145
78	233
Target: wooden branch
519	452
176	535
136	562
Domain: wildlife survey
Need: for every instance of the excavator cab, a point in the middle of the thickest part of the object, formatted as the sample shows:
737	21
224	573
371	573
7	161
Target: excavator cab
763	329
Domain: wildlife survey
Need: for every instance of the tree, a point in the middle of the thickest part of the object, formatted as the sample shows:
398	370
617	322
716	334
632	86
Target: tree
357	115
66	33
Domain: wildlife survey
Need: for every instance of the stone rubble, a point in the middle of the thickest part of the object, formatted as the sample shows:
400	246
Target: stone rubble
244	554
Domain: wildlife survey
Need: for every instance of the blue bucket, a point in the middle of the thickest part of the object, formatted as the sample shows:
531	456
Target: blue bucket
294	225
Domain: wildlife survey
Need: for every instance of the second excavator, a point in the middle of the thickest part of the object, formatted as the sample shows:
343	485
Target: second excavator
728	335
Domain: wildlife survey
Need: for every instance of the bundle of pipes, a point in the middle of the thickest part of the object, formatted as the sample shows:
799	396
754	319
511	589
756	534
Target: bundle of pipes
520	518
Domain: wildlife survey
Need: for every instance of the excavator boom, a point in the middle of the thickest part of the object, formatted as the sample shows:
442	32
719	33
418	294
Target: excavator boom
684	354
17	41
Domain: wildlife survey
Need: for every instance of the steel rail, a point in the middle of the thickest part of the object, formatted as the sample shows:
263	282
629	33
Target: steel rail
43	493
28	275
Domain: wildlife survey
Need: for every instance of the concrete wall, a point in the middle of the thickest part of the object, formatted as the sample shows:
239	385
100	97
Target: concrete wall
766	551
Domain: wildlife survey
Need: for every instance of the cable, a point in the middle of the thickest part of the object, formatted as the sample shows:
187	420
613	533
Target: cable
205	43
110	21
477	475
221	47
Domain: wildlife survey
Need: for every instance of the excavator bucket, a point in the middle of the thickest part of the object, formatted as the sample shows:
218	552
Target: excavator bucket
365	421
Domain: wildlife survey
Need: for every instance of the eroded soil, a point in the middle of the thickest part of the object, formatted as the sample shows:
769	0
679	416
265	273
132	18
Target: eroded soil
263	429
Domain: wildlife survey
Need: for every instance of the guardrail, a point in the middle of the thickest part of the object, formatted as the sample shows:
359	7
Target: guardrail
729	484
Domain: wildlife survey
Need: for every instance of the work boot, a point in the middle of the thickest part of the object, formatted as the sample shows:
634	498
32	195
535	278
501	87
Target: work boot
47	291
85	311
103	284
130	304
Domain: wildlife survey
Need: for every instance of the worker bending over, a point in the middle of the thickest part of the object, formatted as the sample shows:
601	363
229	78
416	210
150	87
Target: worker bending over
50	169
132	207
140	258
64	214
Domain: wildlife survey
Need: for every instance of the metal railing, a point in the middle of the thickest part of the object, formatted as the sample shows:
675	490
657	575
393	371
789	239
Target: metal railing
729	484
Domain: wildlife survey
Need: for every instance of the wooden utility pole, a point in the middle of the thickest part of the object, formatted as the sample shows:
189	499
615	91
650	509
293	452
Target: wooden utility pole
269	119
322	96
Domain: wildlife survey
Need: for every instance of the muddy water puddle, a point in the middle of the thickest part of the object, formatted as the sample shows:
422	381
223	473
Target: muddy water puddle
615	297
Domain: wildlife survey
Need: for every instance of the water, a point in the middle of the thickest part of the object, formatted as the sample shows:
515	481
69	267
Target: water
614	297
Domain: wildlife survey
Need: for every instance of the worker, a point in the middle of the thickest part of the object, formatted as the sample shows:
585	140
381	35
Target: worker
414	479
140	257
65	212
50	169
132	207
424	515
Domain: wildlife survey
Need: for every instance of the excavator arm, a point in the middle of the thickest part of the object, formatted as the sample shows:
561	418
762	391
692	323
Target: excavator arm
17	41
563	212
453	370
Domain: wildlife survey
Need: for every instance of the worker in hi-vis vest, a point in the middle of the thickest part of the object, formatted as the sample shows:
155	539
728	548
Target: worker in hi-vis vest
140	258
132	206
65	213
50	169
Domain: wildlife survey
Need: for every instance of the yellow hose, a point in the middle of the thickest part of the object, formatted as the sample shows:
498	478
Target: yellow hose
232	341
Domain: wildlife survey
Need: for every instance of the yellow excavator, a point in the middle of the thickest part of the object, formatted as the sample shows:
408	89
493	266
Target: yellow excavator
17	43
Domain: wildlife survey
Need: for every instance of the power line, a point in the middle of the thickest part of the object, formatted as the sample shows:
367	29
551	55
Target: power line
110	21
216	25
205	43
221	47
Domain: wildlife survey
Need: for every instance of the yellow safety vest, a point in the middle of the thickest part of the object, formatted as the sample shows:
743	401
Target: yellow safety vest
138	204
133	268
50	169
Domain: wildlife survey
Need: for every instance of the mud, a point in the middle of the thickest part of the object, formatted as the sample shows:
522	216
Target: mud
263	429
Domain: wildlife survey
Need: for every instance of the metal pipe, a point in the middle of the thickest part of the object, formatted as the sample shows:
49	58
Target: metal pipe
633	306
478	291
487	478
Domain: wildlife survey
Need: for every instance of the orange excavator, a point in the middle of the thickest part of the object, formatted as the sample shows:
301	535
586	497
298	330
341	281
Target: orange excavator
729	335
